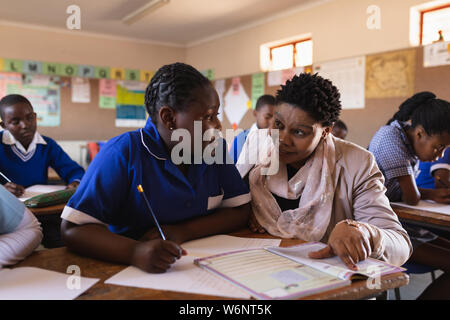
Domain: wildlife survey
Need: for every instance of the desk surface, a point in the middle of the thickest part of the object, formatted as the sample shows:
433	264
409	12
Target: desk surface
59	259
426	217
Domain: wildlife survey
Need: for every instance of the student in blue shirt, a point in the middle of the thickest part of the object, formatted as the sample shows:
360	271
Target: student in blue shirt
264	119
107	218
435	175
420	130
25	155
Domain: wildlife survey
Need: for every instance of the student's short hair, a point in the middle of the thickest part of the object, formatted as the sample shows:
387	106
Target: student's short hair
172	85
313	94
12	99
340	124
266	99
426	109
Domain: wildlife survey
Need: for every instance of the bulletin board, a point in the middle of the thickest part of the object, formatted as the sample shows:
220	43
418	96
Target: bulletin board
84	121
363	123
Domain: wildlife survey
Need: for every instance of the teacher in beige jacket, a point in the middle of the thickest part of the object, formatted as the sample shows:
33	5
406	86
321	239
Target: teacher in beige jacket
307	184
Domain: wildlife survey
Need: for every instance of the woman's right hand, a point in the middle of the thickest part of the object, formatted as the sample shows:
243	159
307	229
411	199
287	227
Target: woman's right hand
440	195
254	225
15	189
156	256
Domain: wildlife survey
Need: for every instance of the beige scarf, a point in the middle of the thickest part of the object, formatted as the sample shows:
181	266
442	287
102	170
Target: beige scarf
313	183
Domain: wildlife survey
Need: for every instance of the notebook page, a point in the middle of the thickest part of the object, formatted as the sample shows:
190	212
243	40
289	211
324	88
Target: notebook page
28	283
39	189
269	276
334	266
185	276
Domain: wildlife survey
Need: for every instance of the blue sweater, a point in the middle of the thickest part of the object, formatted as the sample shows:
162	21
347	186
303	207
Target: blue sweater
35	170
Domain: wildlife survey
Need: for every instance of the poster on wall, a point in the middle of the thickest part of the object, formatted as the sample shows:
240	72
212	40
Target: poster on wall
237	103
436	54
130	104
107	94
220	88
348	75
46	103
81	90
391	74
279	77
258	86
10	83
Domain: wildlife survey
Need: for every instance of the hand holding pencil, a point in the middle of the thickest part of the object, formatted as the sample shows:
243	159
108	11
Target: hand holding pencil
155	255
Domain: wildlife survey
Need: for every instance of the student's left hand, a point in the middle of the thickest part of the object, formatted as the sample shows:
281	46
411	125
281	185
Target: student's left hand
349	242
73	185
173	233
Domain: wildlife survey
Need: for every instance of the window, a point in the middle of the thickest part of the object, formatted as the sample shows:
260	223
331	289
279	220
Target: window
434	21
426	20
287	54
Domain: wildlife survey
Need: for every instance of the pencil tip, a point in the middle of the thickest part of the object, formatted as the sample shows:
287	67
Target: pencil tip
140	189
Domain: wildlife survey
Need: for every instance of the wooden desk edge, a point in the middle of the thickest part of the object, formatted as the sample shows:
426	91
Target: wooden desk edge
422	216
60	258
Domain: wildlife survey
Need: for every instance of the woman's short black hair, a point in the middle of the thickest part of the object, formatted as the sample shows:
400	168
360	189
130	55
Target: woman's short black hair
426	109
12	99
172	85
313	94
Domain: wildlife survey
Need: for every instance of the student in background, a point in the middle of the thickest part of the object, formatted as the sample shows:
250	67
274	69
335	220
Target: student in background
25	155
420	130
20	232
264	118
326	189
107	218
435	175
339	130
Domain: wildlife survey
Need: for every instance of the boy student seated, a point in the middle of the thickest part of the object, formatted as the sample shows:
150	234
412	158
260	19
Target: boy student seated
325	189
420	130
20	232
264	117
108	218
25	155
339	130
435	174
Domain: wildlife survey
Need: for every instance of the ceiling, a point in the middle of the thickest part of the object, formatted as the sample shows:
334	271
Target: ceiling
180	23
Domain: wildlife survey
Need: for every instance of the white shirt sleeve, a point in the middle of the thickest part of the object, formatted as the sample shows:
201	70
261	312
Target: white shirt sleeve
21	242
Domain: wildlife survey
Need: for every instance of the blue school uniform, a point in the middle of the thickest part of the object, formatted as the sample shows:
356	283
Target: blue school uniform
395	157
108	192
425	178
30	167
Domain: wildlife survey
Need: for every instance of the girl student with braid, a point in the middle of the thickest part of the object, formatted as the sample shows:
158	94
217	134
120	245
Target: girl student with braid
420	130
108	219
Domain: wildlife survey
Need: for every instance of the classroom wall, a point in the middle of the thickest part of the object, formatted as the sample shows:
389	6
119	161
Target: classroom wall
338	29
45	44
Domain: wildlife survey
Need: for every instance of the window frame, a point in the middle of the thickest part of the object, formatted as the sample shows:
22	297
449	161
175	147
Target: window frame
294	50
422	13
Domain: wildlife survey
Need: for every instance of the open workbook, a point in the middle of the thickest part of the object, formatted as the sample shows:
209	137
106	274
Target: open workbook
288	273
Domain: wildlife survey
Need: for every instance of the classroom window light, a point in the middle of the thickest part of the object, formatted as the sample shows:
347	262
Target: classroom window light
435	21
285	55
429	22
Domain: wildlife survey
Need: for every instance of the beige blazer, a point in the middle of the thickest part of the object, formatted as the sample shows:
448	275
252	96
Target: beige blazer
360	195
